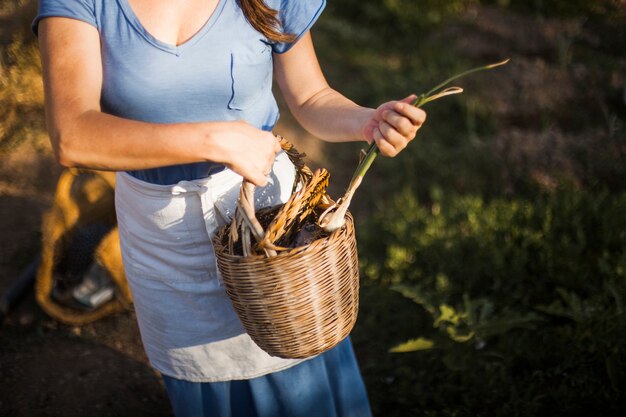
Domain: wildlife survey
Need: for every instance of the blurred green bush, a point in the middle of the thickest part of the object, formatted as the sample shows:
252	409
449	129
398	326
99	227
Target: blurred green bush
525	299
565	8
397	15
493	250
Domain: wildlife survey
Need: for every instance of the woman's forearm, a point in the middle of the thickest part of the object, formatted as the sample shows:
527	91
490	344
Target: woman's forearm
332	117
100	141
329	115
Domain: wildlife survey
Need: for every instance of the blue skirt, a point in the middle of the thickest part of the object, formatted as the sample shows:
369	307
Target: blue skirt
329	385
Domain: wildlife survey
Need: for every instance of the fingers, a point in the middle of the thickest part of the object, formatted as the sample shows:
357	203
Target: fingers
277	147
256	175
265	169
415	115
403	125
409	99
256	157
385	145
259	181
259	177
399	125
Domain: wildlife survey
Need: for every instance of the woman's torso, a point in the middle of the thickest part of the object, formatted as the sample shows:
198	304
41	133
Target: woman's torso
222	71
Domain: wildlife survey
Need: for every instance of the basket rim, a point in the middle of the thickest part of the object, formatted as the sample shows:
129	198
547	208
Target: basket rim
221	248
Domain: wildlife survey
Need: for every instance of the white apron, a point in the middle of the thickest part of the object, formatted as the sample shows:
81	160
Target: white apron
188	326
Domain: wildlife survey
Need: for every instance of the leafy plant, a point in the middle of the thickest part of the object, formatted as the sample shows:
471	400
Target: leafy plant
525	299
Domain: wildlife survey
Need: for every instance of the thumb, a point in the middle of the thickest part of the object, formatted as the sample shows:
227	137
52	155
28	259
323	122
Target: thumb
409	99
277	147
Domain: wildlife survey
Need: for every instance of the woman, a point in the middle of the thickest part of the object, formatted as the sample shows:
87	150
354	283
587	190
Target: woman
176	96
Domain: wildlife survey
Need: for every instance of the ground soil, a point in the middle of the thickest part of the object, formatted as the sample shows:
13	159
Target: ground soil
51	369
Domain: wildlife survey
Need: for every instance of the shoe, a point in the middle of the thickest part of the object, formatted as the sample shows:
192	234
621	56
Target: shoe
96	289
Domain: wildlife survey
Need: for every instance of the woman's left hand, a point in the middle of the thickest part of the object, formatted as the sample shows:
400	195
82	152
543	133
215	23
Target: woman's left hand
393	125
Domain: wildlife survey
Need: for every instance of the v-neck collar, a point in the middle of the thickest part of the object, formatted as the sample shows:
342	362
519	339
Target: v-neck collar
165	46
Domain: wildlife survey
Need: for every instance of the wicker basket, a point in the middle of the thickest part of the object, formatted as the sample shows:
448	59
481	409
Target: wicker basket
302	301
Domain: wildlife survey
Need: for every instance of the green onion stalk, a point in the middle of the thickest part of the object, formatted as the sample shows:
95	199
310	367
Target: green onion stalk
334	217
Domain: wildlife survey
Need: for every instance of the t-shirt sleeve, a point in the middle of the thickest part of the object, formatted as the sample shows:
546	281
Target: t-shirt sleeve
84	10
297	17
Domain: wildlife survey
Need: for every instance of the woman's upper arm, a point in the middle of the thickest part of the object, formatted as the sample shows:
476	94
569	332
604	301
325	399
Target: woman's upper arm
298	73
72	70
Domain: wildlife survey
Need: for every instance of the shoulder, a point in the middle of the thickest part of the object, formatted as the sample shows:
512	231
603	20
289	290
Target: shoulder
84	10
296	17
296	6
78	5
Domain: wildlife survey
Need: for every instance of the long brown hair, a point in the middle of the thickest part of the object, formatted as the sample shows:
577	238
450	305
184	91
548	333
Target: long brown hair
265	20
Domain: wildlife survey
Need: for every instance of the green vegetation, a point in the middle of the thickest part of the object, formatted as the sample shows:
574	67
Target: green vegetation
522	302
21	90
493	250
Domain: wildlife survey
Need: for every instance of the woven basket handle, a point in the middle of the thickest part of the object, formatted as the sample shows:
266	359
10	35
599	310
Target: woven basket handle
245	216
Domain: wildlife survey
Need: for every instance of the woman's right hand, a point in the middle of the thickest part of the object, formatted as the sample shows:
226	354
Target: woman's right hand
248	151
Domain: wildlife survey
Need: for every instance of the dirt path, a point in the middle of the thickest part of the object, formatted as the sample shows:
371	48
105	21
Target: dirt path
48	369
53	372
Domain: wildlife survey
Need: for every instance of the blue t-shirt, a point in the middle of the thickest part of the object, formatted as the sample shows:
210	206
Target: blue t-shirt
223	73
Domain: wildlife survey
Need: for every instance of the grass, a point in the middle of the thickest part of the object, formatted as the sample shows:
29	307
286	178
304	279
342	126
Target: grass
21	96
